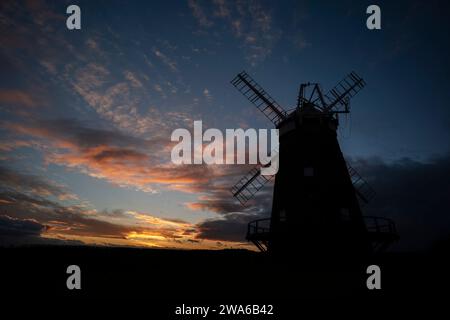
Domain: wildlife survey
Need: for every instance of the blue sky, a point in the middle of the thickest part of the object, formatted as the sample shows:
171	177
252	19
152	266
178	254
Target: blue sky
90	112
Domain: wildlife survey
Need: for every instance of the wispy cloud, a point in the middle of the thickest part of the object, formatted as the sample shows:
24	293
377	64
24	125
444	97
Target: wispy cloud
114	101
126	139
171	64
30	217
131	77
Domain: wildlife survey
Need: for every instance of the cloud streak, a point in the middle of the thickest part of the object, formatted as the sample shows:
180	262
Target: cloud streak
28	217
123	160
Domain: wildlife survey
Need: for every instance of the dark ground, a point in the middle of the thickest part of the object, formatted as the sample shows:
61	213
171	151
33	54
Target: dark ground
165	278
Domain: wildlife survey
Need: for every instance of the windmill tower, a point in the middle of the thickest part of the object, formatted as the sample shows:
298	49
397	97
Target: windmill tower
317	196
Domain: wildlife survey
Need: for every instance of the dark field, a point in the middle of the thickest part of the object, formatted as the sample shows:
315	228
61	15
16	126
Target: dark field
165	278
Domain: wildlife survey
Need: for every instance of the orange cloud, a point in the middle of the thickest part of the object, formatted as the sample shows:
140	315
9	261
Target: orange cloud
132	162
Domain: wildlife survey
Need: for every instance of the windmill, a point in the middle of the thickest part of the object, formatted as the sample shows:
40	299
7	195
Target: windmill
317	196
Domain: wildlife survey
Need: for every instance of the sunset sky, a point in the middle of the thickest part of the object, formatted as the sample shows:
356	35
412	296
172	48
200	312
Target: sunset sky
86	116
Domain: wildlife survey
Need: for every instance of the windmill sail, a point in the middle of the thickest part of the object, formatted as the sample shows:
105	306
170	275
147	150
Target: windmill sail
259	97
340	95
249	185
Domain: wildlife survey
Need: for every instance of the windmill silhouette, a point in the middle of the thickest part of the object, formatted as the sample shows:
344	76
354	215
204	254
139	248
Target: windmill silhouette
317	196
